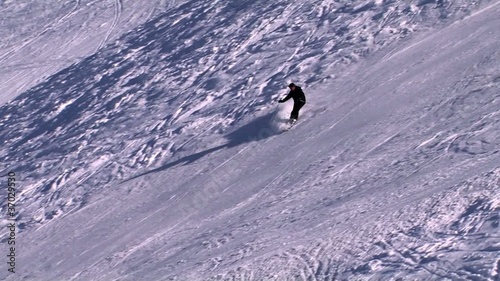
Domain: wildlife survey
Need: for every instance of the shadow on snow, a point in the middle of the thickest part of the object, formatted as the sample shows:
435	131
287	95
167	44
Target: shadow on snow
257	130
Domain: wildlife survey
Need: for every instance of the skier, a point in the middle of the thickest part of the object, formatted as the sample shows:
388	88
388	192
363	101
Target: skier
299	99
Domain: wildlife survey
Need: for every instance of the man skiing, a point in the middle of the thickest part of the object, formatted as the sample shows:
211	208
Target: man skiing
299	99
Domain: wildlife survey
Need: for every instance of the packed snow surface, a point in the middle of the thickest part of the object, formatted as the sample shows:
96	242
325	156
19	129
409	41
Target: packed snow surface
148	143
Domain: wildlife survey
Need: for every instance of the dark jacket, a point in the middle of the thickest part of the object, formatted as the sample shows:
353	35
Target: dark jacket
297	95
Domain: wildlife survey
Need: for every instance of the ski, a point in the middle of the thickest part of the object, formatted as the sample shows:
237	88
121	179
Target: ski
291	123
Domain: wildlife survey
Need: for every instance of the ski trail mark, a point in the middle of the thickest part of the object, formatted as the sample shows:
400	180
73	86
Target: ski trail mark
48	27
439	33
118	11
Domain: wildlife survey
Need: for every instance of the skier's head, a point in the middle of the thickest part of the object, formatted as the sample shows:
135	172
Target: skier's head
291	86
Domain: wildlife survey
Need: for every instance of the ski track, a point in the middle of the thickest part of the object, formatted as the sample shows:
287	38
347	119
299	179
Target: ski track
58	40
118	11
436	34
48	27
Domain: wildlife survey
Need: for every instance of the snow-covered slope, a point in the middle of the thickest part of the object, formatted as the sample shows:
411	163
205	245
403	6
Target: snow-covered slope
41	37
159	157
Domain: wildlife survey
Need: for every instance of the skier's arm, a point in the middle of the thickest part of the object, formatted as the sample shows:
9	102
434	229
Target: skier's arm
287	97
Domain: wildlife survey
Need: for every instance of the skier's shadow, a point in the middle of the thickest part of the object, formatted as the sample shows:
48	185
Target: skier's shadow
257	130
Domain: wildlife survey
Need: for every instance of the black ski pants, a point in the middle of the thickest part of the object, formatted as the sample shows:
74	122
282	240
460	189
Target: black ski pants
296	108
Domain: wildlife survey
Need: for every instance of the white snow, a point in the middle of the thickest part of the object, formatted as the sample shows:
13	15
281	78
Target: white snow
149	144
